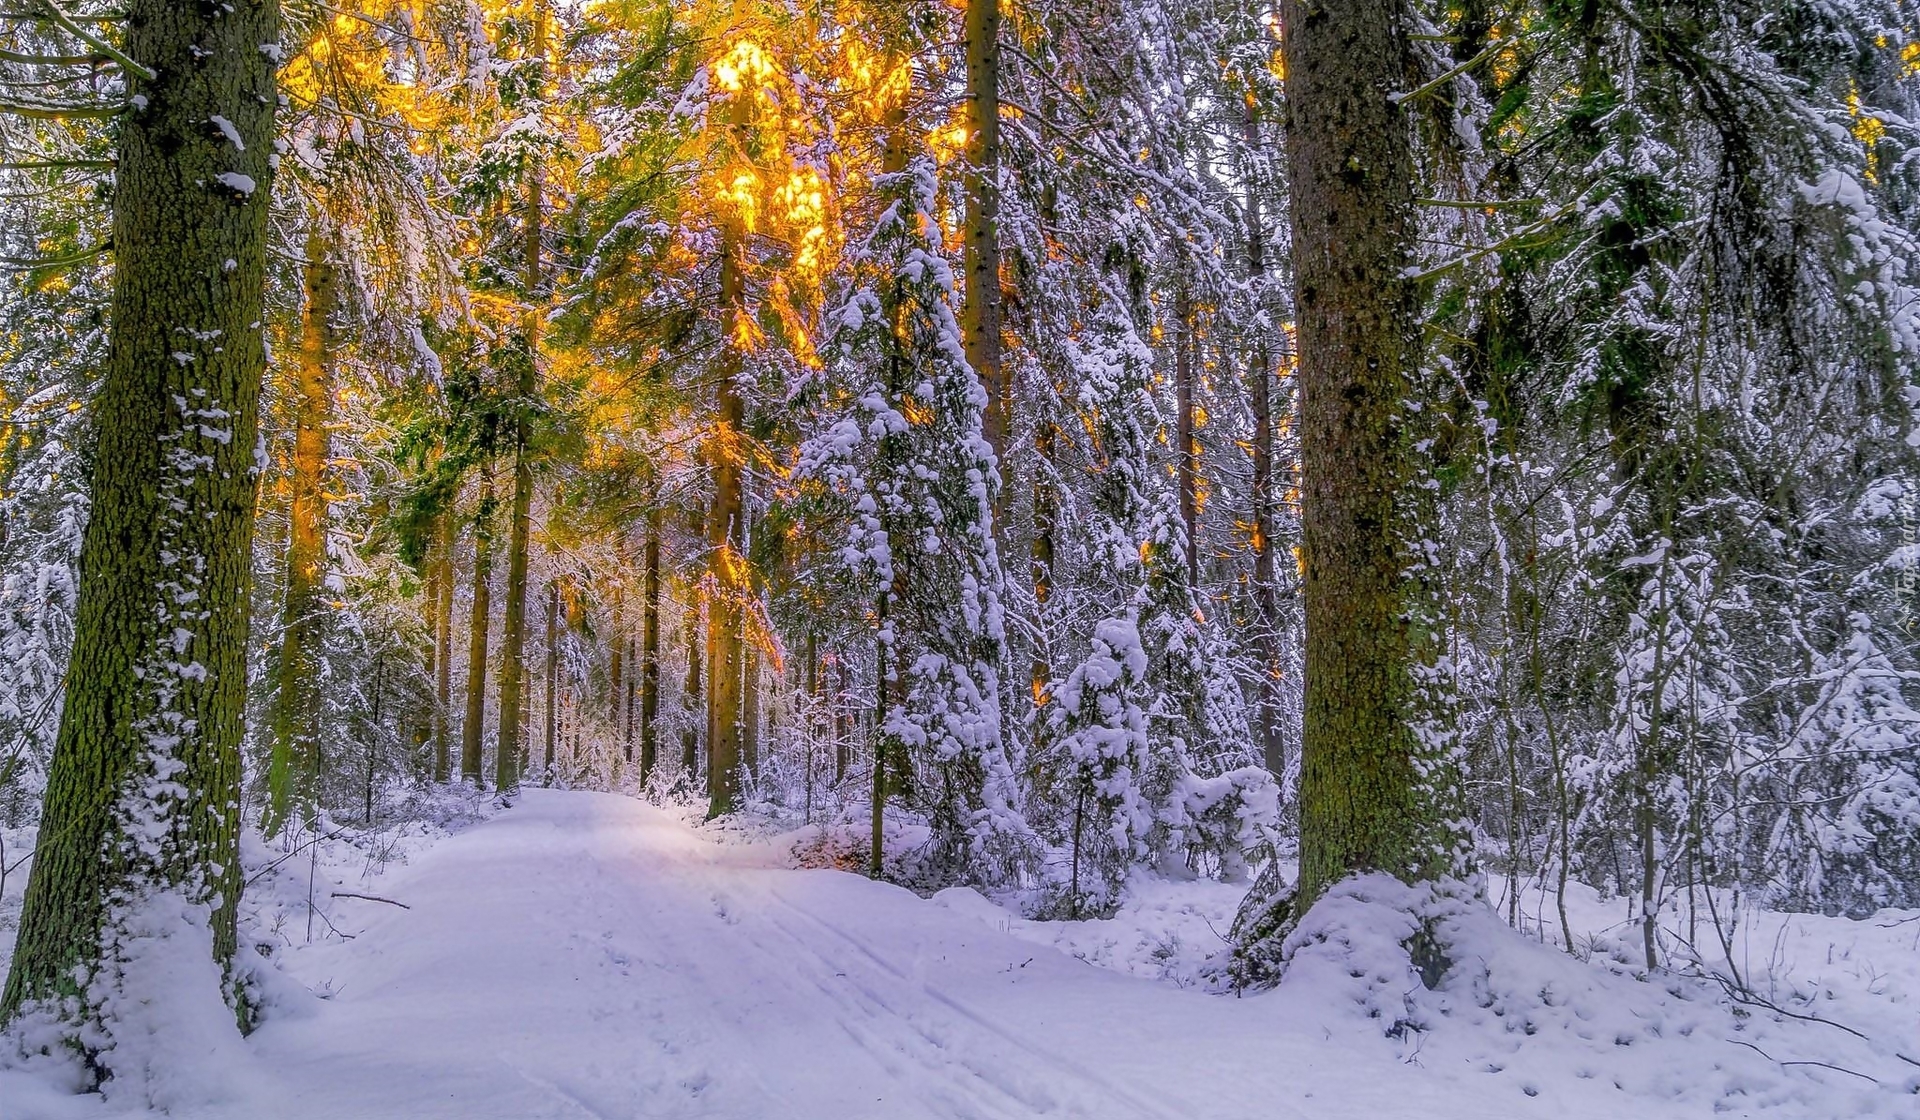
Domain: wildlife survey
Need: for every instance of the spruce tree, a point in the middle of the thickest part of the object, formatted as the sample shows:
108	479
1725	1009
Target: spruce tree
139	835
1349	148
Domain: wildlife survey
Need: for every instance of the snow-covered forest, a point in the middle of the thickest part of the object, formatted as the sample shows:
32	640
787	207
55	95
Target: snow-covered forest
959	558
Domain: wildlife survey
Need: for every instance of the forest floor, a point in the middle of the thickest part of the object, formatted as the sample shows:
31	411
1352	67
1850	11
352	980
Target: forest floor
586	955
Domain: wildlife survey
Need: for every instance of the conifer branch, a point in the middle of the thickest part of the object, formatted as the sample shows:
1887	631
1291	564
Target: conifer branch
58	165
72	27
33	264
47	111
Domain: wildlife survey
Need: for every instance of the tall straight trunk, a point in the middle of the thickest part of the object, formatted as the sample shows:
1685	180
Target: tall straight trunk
474	726
1351	171
724	616
1040	561
1266	588
632	702
810	719
877	842
650	653
616	674
749	709
425	734
295	765
513	630
553	676
693	634
443	648
373	736
839	723
1187	451
726	529
980	312
143	790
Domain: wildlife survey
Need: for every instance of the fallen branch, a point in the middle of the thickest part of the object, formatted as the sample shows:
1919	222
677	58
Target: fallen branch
301	847
1823	1065
371	898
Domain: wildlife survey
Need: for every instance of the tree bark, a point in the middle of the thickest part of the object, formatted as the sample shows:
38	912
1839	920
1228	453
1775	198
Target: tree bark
1046	506
726	529
443	647
980	312
1187	451
513	630
650	655
749	709
143	791
295	765
690	697
474	727
553	677
1351	171
617	674
1266	591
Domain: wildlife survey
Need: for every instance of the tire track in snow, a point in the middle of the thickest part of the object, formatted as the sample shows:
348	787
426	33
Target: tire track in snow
1097	1095
962	1084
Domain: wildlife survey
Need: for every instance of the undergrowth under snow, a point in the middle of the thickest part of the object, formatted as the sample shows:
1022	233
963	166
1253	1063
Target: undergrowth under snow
584	954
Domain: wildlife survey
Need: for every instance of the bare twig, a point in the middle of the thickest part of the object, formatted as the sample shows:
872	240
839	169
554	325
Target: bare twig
371	898
1823	1065
297	849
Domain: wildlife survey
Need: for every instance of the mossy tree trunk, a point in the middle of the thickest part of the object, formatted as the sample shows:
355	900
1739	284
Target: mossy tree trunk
513	626
442	645
295	765
1351	170
143	792
473	728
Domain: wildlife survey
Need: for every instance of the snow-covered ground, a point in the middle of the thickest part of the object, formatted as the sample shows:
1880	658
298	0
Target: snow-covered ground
586	955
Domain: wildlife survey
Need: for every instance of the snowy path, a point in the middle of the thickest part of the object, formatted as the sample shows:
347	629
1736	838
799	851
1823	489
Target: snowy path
587	957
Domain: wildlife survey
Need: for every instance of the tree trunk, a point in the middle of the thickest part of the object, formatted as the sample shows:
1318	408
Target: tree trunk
1351	170
443	649
513	630
650	653
725	524
1266	590
749	709
631	704
690	691
553	677
432	667
1040	564
143	791
295	765
616	674
882	670
980	312
373	733
472	729
1187	451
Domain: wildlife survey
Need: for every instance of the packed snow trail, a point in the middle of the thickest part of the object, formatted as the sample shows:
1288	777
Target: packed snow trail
585	956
